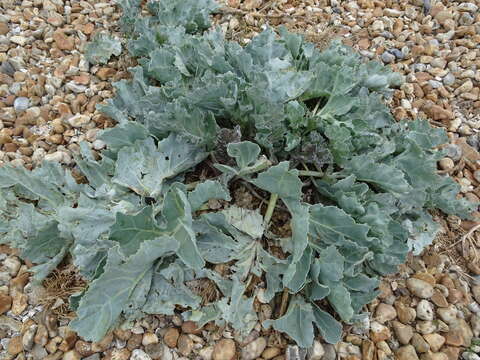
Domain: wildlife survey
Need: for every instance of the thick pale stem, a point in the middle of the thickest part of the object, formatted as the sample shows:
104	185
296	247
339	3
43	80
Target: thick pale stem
310	173
270	208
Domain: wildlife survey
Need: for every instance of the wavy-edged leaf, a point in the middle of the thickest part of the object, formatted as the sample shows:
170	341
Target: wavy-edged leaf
205	191
330	225
168	290
144	166
330	329
339	298
129	231
281	181
248	221
384	176
296	323
108	295
101	48
178	215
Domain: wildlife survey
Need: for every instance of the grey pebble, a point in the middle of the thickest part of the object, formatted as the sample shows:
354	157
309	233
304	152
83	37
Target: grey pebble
419	67
468	6
38	352
21	103
388	58
386	35
453	151
474	307
435	84
397	53
93	357
7	68
448	79
293	352
467	355
330	353
466	19
474	141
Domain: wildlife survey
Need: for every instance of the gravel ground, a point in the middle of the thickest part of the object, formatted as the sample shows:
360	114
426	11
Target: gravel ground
429	310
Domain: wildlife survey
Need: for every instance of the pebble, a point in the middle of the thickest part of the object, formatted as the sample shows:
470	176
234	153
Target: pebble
330	352
171	337
379	332
28	337
224	350
185	345
406	352
79	120
21	103
5	303
316	351
453	151
270	353
449	79
419	343
425	310
206	353
76	88
403	332
449	315
387	57
139	354
38	352
449	55
468	6
254	349
475	324
468	355
15	346
420	288
384	313
435	341
149	338
72	355
425	327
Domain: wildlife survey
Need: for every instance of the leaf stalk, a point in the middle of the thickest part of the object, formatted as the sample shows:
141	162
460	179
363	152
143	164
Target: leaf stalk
271	206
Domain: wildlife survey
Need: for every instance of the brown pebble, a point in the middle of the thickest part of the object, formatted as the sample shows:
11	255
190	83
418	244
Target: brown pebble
134	342
454	296
63	41
446	164
171	337
270	353
103	344
190	327
122	334
185	345
439	299
5	303
10	147
84	348
15	346
4	28
224	350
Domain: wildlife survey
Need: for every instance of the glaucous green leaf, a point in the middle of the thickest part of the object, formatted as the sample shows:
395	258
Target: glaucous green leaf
107	296
330	225
129	231
178	215
144	166
205	191
296	323
101	48
330	329
384	176
280	180
248	221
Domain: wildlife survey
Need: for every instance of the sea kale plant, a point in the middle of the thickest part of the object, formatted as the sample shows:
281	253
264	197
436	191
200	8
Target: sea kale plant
305	129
